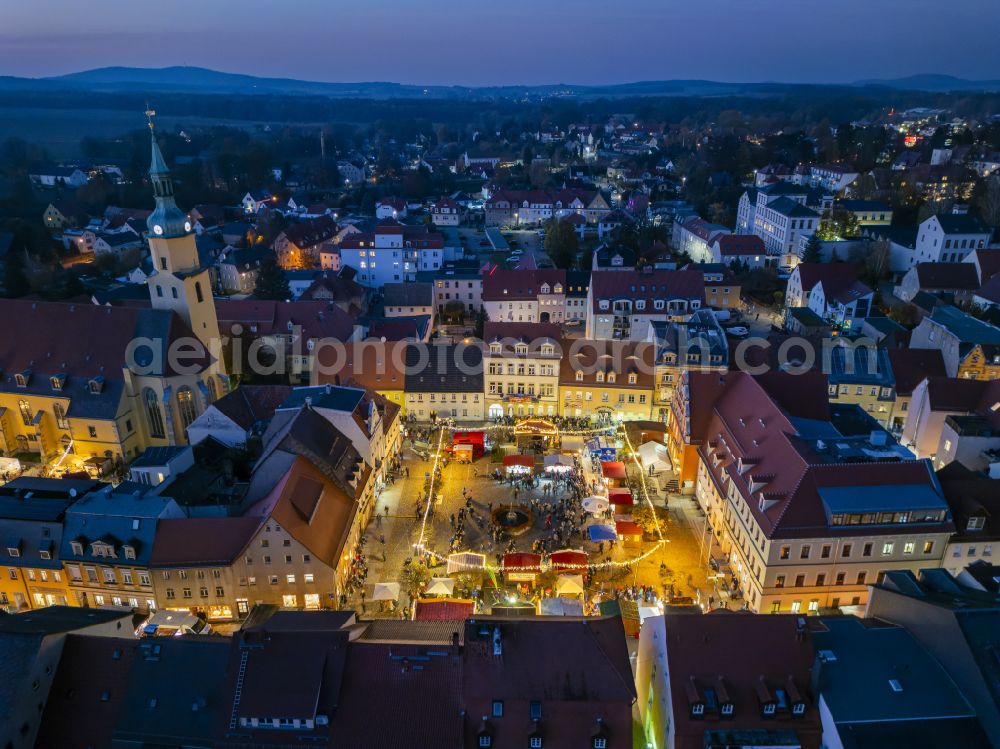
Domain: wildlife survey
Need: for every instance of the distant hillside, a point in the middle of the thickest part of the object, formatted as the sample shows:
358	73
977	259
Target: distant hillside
180	79
933	82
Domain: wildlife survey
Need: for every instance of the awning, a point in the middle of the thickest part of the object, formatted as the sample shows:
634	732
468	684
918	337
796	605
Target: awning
386	592
613	469
440	586
599	532
569	585
558	460
627	528
595	504
521	562
620	497
568	559
526	461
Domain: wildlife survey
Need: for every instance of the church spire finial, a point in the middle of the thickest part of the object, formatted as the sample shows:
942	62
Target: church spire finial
150	114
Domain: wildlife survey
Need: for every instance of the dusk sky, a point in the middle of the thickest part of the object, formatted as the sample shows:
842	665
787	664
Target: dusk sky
482	42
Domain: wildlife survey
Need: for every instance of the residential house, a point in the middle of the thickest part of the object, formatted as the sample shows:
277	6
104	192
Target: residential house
956	624
525	295
698	343
832	291
577	288
239	415
409	299
106	545
390	207
159	464
949	238
445	381
300	244
622	304
32	645
393	252
910	367
971	347
876	681
31	518
695	238
458	288
254	200
834	178
974	500
375	365
747	250
447	212
238	268
612	257
533	207
957	281
973	439
59	176
782	219
696	694
933	401
61	214
338	287
862	375
867	212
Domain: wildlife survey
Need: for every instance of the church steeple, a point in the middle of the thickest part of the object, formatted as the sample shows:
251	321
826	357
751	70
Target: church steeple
167	220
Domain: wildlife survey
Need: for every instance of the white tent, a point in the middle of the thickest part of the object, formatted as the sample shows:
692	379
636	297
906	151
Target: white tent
386	592
569	585
561	607
440	586
596	505
654	457
466	561
558	461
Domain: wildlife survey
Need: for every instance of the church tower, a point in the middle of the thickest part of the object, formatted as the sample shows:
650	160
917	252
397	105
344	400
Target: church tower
178	281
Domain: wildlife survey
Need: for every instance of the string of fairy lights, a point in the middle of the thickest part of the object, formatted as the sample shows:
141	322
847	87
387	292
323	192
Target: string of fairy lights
421	545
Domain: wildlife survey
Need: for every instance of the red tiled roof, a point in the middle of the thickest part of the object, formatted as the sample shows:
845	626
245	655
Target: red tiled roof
192	542
955	394
831	274
249	404
737	245
512	285
310	233
521	331
444	611
962	276
910	366
317	319
666	285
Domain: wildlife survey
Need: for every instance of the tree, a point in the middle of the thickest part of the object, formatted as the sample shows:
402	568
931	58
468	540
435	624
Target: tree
561	243
813	252
15	279
271	280
480	325
989	202
904	314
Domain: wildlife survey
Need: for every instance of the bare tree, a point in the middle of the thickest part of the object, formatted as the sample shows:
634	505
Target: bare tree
989	202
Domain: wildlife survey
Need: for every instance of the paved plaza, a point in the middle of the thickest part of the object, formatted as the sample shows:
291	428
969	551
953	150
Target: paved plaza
678	566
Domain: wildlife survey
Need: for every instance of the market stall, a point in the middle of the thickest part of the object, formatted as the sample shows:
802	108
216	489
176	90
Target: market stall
440	586
620	497
466	561
630	533
386	592
444	610
558	464
466	443
569	585
600	532
561	607
654	457
518	465
521	567
613	472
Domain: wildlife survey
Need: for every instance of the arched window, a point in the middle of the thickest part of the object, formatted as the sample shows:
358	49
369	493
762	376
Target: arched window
25	409
197	291
185	404
213	390
60	413
153	413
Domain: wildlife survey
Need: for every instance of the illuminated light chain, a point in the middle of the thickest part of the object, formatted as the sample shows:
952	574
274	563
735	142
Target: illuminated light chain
420	546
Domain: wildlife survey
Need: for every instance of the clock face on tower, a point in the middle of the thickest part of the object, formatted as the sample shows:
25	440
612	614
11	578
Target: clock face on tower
157	229
187	226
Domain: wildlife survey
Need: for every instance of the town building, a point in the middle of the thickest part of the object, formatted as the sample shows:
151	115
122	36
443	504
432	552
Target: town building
832	291
971	347
933	401
974	499
445	381
239	416
956	624
695	238
862	375
521	363
392	252
607	381
409	299
238	269
525	295
300	245
910	367
447	212
747	250
957	280
533	207
698	343
458	289
803	498
949	238
699	694
877	681
622	305
867	212
782	219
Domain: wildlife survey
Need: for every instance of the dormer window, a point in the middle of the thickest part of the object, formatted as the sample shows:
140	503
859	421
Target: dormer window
579	376
632	379
77	547
611	377
657	304
485	739
23	378
640	304
600	376
600	742
14	551
545	288
798	708
129	552
768	709
547	349
604	304
96	385
494	348
521	348
698	709
57	381
727	709
976	523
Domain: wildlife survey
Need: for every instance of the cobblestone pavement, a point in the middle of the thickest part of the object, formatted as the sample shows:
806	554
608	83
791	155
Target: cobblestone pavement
400	531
